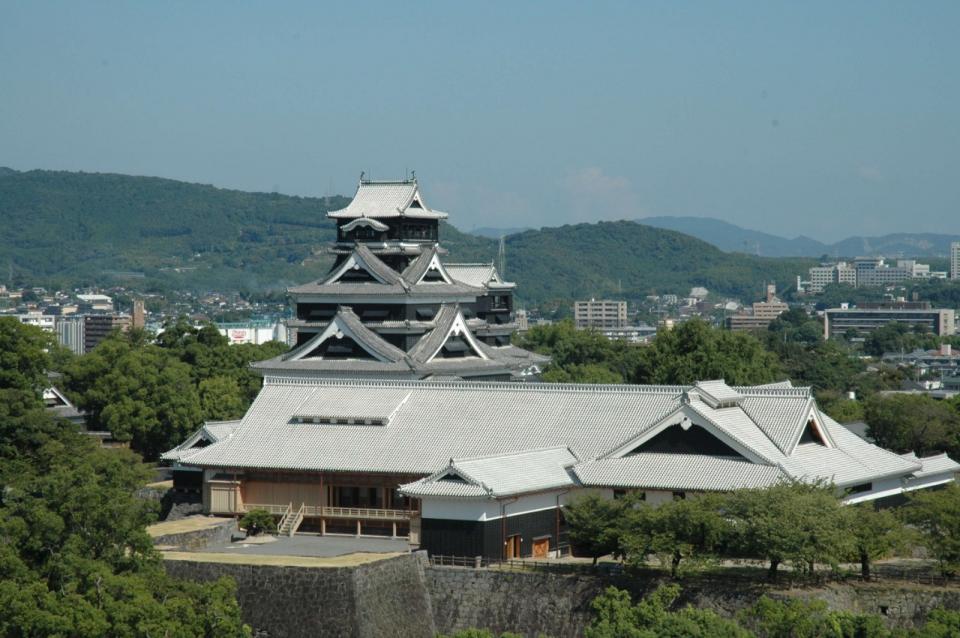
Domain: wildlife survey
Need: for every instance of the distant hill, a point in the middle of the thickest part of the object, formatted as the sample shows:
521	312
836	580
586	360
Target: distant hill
70	229
497	233
733	238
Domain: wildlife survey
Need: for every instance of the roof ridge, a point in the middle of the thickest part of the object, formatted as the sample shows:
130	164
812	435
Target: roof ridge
749	390
495	455
484	385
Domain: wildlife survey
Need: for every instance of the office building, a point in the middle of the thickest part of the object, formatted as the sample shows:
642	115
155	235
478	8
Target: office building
600	314
868	317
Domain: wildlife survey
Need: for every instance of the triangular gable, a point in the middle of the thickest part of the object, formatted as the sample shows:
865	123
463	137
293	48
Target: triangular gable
457	332
434	271
812	430
427	268
686	418
339	328
686	438
363	260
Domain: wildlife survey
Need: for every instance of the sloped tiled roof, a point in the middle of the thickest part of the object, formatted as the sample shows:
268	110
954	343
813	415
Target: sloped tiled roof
478	275
499	475
386	199
934	464
671	472
782	420
346	321
431	423
363	257
212	432
414	272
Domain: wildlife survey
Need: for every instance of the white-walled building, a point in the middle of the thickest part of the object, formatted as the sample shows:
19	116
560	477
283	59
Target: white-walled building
483	469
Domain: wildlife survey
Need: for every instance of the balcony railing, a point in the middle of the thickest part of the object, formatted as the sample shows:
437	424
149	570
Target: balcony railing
316	511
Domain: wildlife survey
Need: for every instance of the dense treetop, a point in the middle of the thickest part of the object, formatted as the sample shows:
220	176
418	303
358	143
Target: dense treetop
75	559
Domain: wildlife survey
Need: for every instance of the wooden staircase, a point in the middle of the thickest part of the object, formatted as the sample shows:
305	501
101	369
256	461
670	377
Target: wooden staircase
290	522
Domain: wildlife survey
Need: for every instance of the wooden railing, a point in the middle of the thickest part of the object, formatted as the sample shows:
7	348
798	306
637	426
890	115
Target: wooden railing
317	511
273	509
361	512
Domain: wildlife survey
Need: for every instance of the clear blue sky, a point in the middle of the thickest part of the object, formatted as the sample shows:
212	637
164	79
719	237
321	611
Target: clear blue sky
821	118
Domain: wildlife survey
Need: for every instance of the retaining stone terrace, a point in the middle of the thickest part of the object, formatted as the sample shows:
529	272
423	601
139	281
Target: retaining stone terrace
198	539
559	606
384	598
404	597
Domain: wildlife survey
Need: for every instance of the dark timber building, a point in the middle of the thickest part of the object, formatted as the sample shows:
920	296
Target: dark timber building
390	307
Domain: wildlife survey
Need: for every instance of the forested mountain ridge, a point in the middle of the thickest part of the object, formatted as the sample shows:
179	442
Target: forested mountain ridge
733	238
69	229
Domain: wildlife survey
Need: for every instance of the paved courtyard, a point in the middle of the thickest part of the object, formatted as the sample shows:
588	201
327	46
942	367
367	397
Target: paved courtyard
306	545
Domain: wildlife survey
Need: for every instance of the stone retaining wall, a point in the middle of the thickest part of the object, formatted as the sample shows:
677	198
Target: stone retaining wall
405	597
199	539
559	606
384	598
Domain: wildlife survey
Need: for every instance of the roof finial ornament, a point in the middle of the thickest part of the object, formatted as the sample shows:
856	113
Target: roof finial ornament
413	175
362	175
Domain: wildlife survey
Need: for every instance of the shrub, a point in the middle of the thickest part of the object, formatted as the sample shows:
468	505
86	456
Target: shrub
258	521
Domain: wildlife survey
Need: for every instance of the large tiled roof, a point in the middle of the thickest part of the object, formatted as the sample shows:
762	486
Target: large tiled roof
387	199
934	464
210	432
478	275
431	423
668	472
389	359
499	475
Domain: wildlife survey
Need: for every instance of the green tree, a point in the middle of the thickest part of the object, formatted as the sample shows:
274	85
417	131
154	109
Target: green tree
652	617
808	619
221	399
693	351
693	529
874	534
75	558
582	356
137	391
936	513
912	423
839	408
24	358
686	529
594	524
789	521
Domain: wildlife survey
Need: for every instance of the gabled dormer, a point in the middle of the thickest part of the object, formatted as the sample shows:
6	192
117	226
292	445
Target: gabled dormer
345	337
362	266
450	338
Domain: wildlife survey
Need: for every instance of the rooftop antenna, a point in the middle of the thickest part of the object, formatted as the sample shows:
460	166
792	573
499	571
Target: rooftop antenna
502	257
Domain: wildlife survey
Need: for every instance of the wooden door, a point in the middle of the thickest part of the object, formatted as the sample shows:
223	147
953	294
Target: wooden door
541	547
513	546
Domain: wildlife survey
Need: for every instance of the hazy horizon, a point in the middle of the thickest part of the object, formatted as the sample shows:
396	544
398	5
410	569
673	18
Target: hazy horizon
822	119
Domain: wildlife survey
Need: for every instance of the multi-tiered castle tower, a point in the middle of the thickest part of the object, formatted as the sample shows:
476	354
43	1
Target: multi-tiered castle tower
390	307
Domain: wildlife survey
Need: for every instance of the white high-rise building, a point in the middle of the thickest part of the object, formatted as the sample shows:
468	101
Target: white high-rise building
955	260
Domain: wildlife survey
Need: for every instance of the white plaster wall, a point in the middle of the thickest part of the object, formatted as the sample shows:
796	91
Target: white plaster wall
488	509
